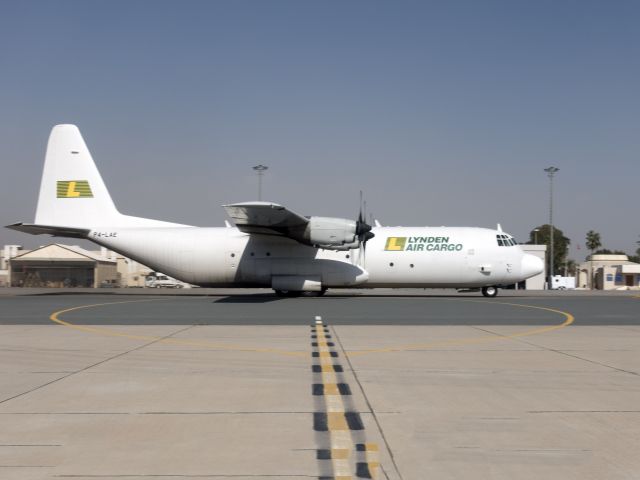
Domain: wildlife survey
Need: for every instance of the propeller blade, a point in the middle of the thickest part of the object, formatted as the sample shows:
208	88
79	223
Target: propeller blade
364	215
363	230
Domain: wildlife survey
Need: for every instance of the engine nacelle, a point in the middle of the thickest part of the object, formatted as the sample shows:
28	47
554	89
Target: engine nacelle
331	233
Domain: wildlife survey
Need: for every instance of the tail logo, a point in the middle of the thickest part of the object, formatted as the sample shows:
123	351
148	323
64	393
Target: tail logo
74	189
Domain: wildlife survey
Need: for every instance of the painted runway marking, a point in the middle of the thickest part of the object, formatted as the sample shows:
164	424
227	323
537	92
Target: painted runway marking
55	317
340	433
569	319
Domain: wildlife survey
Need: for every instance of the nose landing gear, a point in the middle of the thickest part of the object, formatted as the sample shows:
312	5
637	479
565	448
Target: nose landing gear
489	291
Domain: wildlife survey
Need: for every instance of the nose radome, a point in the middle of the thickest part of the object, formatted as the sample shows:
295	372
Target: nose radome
531	265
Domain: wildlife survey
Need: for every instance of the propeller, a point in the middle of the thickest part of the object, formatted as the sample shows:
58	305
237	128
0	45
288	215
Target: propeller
363	229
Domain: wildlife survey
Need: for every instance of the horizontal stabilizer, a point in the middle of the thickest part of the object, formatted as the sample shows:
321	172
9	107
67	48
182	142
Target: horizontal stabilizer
34	229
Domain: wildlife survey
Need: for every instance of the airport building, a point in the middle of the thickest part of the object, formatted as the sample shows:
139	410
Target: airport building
58	265
609	272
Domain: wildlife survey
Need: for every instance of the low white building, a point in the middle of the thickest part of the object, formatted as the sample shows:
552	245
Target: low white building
609	272
537	282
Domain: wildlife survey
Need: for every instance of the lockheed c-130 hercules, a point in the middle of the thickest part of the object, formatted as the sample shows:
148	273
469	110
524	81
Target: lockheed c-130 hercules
270	245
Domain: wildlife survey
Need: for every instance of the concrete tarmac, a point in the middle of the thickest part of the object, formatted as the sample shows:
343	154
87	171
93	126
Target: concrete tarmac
387	384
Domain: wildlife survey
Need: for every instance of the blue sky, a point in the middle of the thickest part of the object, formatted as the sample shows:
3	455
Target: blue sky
444	113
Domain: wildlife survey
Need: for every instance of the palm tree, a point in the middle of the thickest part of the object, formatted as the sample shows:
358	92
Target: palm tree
593	242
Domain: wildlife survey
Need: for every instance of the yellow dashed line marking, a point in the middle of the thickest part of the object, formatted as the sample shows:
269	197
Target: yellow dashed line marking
340	441
340	453
336	421
345	427
331	389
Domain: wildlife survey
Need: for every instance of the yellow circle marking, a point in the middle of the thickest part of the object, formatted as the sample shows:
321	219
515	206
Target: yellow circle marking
55	317
569	319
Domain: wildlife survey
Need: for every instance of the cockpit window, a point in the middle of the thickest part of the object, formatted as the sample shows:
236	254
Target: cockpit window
505	240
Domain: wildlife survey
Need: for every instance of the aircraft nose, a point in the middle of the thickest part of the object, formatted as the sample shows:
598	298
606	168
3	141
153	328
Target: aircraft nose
531	265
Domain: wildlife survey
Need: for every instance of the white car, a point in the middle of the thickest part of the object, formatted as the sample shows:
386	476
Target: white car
163	281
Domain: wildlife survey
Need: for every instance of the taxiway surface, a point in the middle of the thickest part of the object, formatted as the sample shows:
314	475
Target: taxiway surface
391	384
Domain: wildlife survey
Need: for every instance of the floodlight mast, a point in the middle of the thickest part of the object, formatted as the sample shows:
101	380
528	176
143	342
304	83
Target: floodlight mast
551	171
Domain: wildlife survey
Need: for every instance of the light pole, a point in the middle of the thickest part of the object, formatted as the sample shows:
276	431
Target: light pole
551	171
260	169
535	235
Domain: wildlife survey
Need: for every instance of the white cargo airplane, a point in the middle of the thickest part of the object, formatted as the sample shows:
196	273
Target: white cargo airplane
271	246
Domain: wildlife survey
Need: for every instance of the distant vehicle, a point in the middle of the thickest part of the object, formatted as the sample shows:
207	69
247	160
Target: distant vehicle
162	281
558	282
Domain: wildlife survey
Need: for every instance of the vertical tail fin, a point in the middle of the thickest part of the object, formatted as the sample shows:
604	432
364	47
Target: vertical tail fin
73	197
72	192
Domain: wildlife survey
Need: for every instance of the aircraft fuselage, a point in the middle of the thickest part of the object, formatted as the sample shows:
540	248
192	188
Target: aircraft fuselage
396	257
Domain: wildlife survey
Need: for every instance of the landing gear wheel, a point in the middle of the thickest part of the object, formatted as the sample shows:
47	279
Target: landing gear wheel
489	291
288	293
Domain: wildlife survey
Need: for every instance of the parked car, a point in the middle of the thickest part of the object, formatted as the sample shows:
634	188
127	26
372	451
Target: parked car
160	280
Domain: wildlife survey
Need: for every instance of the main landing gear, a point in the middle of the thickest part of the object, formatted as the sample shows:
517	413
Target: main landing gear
490	291
298	293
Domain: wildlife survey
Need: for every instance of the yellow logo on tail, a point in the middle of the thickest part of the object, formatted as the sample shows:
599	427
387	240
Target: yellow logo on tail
74	189
395	243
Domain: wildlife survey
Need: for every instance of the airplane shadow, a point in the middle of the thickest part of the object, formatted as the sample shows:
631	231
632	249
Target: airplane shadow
271	297
254	298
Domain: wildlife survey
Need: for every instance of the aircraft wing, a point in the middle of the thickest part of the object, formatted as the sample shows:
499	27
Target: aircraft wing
266	218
